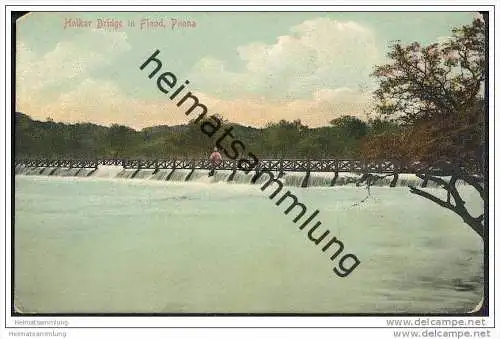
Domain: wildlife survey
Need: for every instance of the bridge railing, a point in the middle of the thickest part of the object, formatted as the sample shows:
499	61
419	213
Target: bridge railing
285	165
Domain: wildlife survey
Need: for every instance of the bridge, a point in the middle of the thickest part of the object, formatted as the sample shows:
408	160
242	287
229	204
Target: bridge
279	165
367	170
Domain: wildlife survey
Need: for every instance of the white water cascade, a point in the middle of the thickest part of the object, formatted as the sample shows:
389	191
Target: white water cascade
297	179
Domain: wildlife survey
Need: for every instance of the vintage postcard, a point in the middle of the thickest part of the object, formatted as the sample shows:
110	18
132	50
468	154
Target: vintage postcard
250	163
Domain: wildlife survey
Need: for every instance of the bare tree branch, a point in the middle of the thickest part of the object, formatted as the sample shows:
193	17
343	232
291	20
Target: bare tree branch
476	223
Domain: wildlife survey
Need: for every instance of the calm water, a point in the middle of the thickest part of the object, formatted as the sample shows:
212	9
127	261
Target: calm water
132	245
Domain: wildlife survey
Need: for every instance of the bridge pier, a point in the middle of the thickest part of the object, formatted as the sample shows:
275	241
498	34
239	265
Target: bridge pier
156	167
91	172
334	180
305	181
231	176
136	172
395	180
170	174
233	173
425	182
189	174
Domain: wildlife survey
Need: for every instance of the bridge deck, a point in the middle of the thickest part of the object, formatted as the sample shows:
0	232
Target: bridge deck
285	165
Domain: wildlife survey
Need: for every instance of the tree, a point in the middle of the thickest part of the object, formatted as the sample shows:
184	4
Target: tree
280	138
456	205
379	125
435	81
435	93
119	138
352	127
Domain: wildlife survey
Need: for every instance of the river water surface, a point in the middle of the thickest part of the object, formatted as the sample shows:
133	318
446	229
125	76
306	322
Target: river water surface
135	245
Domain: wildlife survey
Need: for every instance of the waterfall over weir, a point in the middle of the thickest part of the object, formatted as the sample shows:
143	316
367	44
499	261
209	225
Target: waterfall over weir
297	179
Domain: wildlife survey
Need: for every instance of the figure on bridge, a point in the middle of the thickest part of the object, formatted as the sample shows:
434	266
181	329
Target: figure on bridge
215	160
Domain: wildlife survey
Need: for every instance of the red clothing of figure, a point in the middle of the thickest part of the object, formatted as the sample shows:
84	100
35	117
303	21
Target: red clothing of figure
215	158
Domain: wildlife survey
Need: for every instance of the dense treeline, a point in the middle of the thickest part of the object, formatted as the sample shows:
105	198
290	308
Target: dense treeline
290	139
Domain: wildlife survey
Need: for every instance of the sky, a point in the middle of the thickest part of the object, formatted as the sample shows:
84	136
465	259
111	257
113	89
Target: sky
250	67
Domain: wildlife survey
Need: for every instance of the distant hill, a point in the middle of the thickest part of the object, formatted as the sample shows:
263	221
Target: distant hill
49	139
160	129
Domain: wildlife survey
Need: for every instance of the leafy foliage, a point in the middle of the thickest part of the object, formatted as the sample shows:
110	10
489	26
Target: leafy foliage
434	93
291	139
439	80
